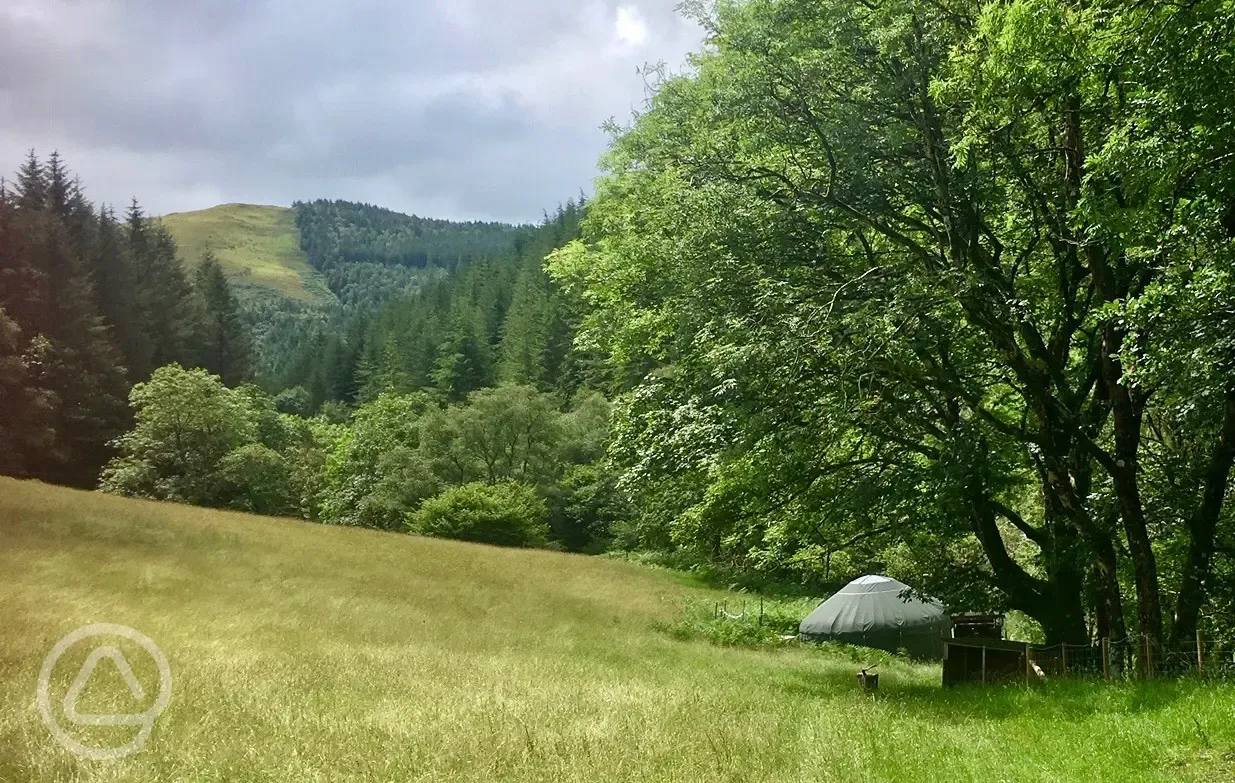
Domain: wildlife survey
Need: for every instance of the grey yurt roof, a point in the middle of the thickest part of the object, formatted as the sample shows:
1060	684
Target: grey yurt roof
878	611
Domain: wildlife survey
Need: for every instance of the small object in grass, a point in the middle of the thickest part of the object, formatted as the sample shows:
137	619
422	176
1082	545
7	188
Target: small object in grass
868	681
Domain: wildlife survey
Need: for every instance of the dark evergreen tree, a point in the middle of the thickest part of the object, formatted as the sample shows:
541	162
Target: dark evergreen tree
164	302
69	355
114	290
490	320
59	189
26	411
226	345
30	189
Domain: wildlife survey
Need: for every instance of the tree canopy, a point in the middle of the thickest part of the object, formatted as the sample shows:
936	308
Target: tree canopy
940	286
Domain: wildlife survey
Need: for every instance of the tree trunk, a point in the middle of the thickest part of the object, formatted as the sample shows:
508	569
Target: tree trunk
1127	412
1201	529
1054	602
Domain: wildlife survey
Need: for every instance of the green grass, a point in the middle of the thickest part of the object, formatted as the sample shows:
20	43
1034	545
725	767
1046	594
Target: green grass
258	247
302	652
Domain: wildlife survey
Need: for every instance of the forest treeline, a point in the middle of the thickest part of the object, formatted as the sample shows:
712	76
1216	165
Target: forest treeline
125	369
488	314
943	289
508	465
90	304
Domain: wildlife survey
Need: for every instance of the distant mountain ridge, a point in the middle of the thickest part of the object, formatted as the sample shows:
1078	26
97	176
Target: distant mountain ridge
303	253
310	276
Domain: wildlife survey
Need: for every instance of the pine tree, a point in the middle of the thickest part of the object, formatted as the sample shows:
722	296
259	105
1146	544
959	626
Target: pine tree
25	410
164	303
527	332
226	345
68	354
114	288
30	189
58	185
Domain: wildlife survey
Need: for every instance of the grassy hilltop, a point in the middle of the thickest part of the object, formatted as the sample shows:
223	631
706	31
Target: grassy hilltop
304	652
258	246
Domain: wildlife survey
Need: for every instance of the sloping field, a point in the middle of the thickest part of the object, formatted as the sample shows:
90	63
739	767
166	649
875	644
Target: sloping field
301	652
258	247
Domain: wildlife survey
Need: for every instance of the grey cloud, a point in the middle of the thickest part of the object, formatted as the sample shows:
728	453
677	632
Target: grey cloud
455	108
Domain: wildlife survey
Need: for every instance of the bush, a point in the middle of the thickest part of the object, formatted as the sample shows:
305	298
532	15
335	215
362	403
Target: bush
507	514
295	401
256	479
586	502
701	620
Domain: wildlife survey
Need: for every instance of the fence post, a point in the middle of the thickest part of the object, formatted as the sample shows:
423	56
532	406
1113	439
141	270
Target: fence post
760	611
983	665
1028	665
1200	654
1063	655
1106	658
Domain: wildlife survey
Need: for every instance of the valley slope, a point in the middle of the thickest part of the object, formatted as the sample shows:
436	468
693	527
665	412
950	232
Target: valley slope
258	246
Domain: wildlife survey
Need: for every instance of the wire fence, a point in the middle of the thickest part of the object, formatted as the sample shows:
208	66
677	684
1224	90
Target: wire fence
1134	658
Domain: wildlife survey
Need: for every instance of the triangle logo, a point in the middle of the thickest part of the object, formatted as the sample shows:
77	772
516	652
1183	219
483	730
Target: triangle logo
83	677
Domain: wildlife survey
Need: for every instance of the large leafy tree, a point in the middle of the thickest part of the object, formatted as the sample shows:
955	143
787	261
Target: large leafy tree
937	282
508	433
187	422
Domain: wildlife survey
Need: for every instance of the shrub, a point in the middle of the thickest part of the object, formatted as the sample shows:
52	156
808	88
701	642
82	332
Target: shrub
507	514
256	479
586	502
295	401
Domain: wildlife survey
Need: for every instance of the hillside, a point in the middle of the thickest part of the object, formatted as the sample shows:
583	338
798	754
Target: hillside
258	246
308	652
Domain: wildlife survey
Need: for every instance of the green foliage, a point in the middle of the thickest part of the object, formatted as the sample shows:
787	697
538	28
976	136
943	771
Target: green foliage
98	305
27	410
505	514
361	468
741	620
334	232
939	288
187	421
295	401
257	479
508	433
586	503
492	319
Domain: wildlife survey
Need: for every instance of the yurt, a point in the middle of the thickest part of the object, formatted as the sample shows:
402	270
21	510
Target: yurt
878	611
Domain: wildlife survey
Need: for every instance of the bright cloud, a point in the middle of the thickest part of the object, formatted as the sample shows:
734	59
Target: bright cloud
630	27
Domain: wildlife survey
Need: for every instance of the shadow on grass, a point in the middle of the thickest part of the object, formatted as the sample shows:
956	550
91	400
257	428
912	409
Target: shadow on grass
908	691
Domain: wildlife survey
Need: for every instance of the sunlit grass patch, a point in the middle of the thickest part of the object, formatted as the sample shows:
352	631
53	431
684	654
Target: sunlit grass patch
258	247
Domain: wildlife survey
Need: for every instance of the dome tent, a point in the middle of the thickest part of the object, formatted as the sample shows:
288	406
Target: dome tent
878	611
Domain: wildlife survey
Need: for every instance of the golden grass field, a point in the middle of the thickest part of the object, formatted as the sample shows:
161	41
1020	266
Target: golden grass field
302	652
258	246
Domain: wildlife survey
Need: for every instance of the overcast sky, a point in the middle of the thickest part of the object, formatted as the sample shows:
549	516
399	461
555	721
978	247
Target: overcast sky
466	109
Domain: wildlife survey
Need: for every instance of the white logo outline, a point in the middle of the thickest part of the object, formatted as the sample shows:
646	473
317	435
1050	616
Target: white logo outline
143	719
